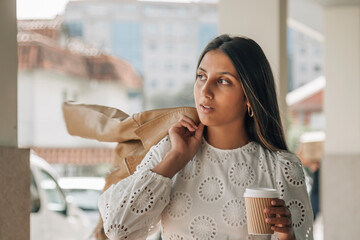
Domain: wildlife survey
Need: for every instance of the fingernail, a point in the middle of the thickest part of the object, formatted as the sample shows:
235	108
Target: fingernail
273	202
268	220
266	210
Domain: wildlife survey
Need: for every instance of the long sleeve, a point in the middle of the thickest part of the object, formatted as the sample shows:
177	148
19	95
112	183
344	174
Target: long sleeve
131	206
290	180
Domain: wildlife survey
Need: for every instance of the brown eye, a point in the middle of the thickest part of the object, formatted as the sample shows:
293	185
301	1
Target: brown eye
223	82
200	77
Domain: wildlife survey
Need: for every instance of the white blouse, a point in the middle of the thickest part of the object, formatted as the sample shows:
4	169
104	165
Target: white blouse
204	201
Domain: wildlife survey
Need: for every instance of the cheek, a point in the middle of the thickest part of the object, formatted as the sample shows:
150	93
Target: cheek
196	93
237	103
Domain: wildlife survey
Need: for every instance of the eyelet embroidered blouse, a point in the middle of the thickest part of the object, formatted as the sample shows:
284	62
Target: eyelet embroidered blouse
204	201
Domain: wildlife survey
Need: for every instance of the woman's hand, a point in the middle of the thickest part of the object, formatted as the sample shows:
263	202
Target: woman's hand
185	139
281	221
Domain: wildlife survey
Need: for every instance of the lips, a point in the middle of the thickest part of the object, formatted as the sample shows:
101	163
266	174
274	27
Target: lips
206	108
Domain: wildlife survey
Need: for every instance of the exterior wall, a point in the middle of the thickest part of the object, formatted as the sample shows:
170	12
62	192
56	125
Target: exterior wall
41	94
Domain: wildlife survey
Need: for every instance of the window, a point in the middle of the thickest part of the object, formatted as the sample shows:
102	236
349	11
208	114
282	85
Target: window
317	68
133	95
151	29
169	47
170	83
152	46
169	29
153	83
153	65
317	51
302	50
169	66
185	30
185	66
303	68
86	199
187	47
74	29
55	197
34	194
69	95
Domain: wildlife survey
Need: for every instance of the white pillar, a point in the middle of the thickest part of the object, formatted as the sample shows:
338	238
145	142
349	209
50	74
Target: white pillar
265	22
14	162
341	166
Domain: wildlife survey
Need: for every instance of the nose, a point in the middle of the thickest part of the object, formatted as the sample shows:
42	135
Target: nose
206	90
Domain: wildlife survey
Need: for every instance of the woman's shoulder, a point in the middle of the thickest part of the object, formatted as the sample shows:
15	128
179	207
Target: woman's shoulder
282	160
282	156
287	157
289	167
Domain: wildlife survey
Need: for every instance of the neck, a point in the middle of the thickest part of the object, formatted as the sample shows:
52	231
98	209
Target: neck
228	138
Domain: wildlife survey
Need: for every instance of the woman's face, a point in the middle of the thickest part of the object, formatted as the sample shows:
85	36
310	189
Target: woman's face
219	96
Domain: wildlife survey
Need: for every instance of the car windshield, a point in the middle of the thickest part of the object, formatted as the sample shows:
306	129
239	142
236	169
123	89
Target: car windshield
86	199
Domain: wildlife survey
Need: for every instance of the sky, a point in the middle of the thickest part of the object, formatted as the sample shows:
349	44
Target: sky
30	9
45	9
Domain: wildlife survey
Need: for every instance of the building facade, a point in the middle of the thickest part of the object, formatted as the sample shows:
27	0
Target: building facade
53	69
305	52
162	40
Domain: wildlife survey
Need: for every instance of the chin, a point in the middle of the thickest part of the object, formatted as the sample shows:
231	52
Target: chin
206	121
209	120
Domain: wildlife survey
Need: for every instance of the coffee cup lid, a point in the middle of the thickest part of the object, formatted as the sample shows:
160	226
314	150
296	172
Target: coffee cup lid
261	193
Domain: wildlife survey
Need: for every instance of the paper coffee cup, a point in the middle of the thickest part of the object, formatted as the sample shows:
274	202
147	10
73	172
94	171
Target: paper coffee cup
256	200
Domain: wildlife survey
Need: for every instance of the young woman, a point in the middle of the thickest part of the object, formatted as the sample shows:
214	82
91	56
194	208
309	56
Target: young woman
194	179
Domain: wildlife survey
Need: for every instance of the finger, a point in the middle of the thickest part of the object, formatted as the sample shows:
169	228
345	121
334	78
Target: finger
284	221
188	125
189	120
277	202
282	225
281	229
199	131
183	124
282	211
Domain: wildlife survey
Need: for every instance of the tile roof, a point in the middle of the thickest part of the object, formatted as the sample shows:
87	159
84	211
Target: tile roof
33	24
76	156
37	51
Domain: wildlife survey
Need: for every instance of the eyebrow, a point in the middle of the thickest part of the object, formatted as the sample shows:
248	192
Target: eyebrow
228	73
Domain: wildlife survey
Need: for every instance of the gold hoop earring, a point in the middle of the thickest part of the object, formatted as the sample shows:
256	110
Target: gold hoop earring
250	112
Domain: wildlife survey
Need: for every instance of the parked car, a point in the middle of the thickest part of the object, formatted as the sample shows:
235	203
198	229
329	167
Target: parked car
53	215
86	192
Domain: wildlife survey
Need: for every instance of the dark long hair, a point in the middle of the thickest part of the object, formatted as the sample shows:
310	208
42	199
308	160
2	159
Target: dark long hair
258	83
